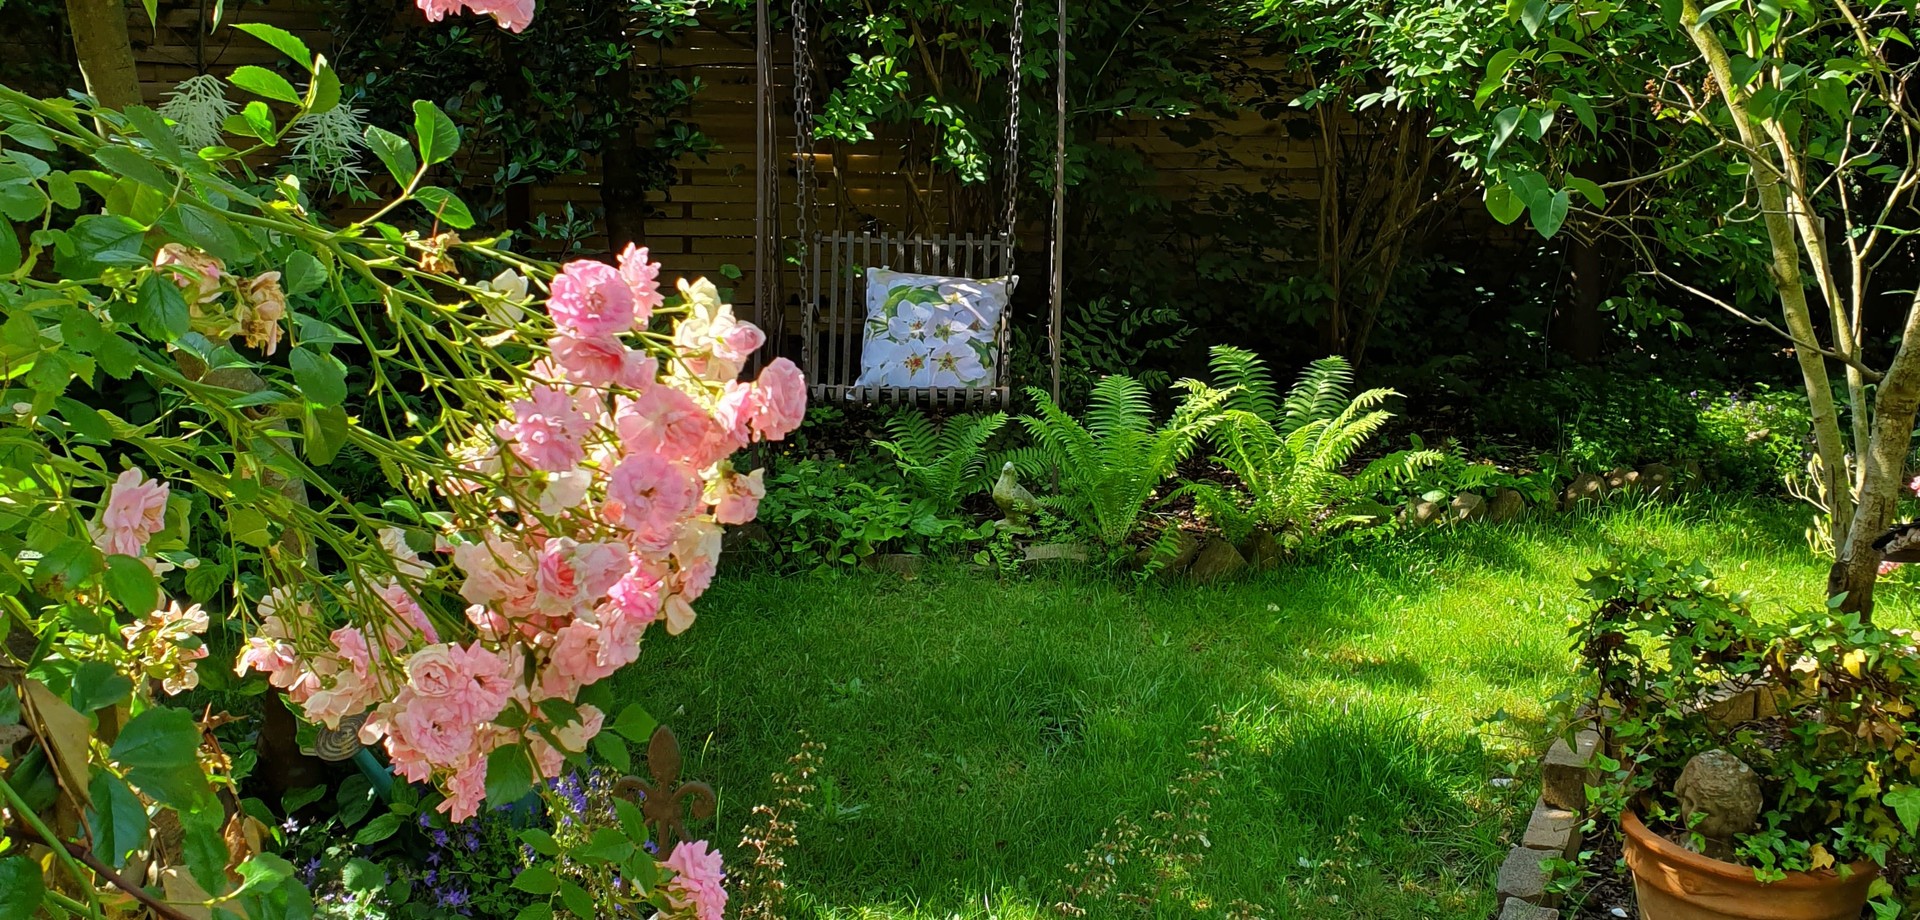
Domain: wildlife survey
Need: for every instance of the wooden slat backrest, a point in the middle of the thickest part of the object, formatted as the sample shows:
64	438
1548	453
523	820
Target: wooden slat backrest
834	320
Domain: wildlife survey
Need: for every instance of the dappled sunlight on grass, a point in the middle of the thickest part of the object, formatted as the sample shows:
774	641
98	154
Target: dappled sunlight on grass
981	734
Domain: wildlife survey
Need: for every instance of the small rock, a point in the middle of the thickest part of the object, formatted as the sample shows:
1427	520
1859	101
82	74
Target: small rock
1523	877
1585	487
1051	552
1466	507
1426	514
897	563
1217	560
1621	477
1618	912
1565	773
1500	782
1175	559
1719	798
1367	512
1656	479
1692	476
1262	551
1507	504
1517	909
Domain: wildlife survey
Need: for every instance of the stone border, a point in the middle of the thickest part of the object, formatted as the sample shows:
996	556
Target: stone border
1553	831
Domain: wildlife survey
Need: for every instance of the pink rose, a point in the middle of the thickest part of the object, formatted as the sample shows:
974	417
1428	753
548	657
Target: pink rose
431	672
649	494
467	787
547	430
196	273
604	361
439	729
736	498
136	509
779	402
643	279
697	877
666	421
590	299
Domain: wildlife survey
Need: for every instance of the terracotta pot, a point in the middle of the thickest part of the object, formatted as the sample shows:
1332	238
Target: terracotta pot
1674	883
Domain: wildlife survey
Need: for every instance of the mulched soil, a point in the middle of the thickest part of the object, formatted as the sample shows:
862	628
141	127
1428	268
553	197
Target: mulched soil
1609	890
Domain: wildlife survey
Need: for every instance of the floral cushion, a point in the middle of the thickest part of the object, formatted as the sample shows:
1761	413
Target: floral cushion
932	330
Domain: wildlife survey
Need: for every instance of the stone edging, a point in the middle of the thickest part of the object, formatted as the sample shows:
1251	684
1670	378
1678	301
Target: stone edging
1553	832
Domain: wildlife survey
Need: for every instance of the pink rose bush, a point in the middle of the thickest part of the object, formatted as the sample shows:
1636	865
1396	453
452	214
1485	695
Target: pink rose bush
591	509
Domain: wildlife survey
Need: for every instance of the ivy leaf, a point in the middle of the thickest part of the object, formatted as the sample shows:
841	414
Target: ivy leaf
614	751
445	206
321	377
21	888
1905	802
607	845
287	42
1548	216
434	131
263	82
392	150
132	584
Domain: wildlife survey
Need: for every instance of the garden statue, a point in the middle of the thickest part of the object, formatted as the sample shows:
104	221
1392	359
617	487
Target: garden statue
1719	799
1014	500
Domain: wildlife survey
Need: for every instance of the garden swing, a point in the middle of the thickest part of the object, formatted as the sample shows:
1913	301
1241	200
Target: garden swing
902	318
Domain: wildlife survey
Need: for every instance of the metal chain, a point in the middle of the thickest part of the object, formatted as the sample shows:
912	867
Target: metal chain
1011	162
804	180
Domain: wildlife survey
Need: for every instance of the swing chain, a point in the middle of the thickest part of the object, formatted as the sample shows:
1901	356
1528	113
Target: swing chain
1011	158
804	178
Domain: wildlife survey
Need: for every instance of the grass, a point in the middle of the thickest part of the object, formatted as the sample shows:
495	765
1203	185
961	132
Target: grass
981	734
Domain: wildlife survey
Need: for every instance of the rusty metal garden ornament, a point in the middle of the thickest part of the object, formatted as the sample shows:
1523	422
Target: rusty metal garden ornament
666	801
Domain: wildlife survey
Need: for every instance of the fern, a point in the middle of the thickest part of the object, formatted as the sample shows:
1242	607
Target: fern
944	463
1110	464
1289	455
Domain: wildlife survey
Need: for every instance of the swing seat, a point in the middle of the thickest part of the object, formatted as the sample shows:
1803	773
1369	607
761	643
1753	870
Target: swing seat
835	315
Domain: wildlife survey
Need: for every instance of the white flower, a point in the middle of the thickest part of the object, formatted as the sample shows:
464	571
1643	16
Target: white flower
327	146
955	363
911	322
197	107
511	286
405	560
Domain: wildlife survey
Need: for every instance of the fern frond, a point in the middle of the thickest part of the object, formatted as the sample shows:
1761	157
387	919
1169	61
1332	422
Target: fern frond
1241	370
1320	393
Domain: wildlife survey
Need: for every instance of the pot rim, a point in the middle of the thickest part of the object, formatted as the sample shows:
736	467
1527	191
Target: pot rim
1664	850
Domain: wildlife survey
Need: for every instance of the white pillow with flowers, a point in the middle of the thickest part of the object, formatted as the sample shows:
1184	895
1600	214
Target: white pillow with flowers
932	330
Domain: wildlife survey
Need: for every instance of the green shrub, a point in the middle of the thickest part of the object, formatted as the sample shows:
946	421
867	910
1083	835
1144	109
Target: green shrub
946	462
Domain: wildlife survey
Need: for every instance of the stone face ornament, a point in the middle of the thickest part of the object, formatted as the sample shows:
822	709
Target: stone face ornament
1719	799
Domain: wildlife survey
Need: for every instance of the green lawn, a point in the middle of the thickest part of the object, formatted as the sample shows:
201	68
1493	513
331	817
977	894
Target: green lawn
981	734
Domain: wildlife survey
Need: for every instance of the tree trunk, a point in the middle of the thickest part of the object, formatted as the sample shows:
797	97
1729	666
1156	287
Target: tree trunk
1576	323
1835	487
1897	399
106	53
